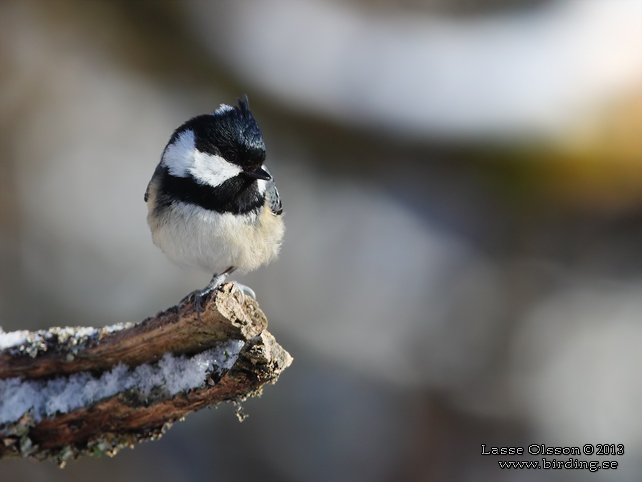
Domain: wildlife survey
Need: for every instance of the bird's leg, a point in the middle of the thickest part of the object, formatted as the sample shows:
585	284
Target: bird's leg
217	280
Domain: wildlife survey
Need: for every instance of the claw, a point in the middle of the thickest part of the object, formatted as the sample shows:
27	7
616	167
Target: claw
244	289
199	297
197	302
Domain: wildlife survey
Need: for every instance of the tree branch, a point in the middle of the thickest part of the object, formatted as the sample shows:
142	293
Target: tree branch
110	423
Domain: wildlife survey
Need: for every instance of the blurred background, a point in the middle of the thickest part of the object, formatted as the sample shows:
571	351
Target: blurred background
462	183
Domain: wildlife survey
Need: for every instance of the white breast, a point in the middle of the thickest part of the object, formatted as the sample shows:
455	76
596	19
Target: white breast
195	237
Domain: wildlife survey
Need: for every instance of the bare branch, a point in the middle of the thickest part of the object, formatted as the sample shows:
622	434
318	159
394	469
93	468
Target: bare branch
108	424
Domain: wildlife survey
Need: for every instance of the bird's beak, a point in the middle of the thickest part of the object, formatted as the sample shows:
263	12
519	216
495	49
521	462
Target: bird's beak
259	174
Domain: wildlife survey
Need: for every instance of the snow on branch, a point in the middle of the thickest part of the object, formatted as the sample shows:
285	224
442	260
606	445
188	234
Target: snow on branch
66	392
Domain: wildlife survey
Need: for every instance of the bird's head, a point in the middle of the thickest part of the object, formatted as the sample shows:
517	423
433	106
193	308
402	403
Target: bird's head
217	147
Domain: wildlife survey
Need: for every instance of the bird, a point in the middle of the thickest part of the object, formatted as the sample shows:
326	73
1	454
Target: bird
212	203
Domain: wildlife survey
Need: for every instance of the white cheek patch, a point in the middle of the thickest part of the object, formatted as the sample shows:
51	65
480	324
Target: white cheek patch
212	170
182	159
179	156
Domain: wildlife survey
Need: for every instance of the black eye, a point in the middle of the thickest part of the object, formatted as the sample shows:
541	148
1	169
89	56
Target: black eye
229	156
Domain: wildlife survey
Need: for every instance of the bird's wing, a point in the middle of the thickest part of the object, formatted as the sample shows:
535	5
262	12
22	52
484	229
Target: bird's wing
147	192
276	206
157	172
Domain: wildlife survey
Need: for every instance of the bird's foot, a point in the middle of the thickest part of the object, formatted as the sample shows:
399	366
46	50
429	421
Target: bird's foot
197	303
216	282
244	290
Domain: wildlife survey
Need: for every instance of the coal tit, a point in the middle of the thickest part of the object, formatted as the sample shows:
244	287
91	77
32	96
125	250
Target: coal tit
211	202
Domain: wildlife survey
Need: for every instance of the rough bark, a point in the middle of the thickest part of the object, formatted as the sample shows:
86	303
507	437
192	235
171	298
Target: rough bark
110	424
